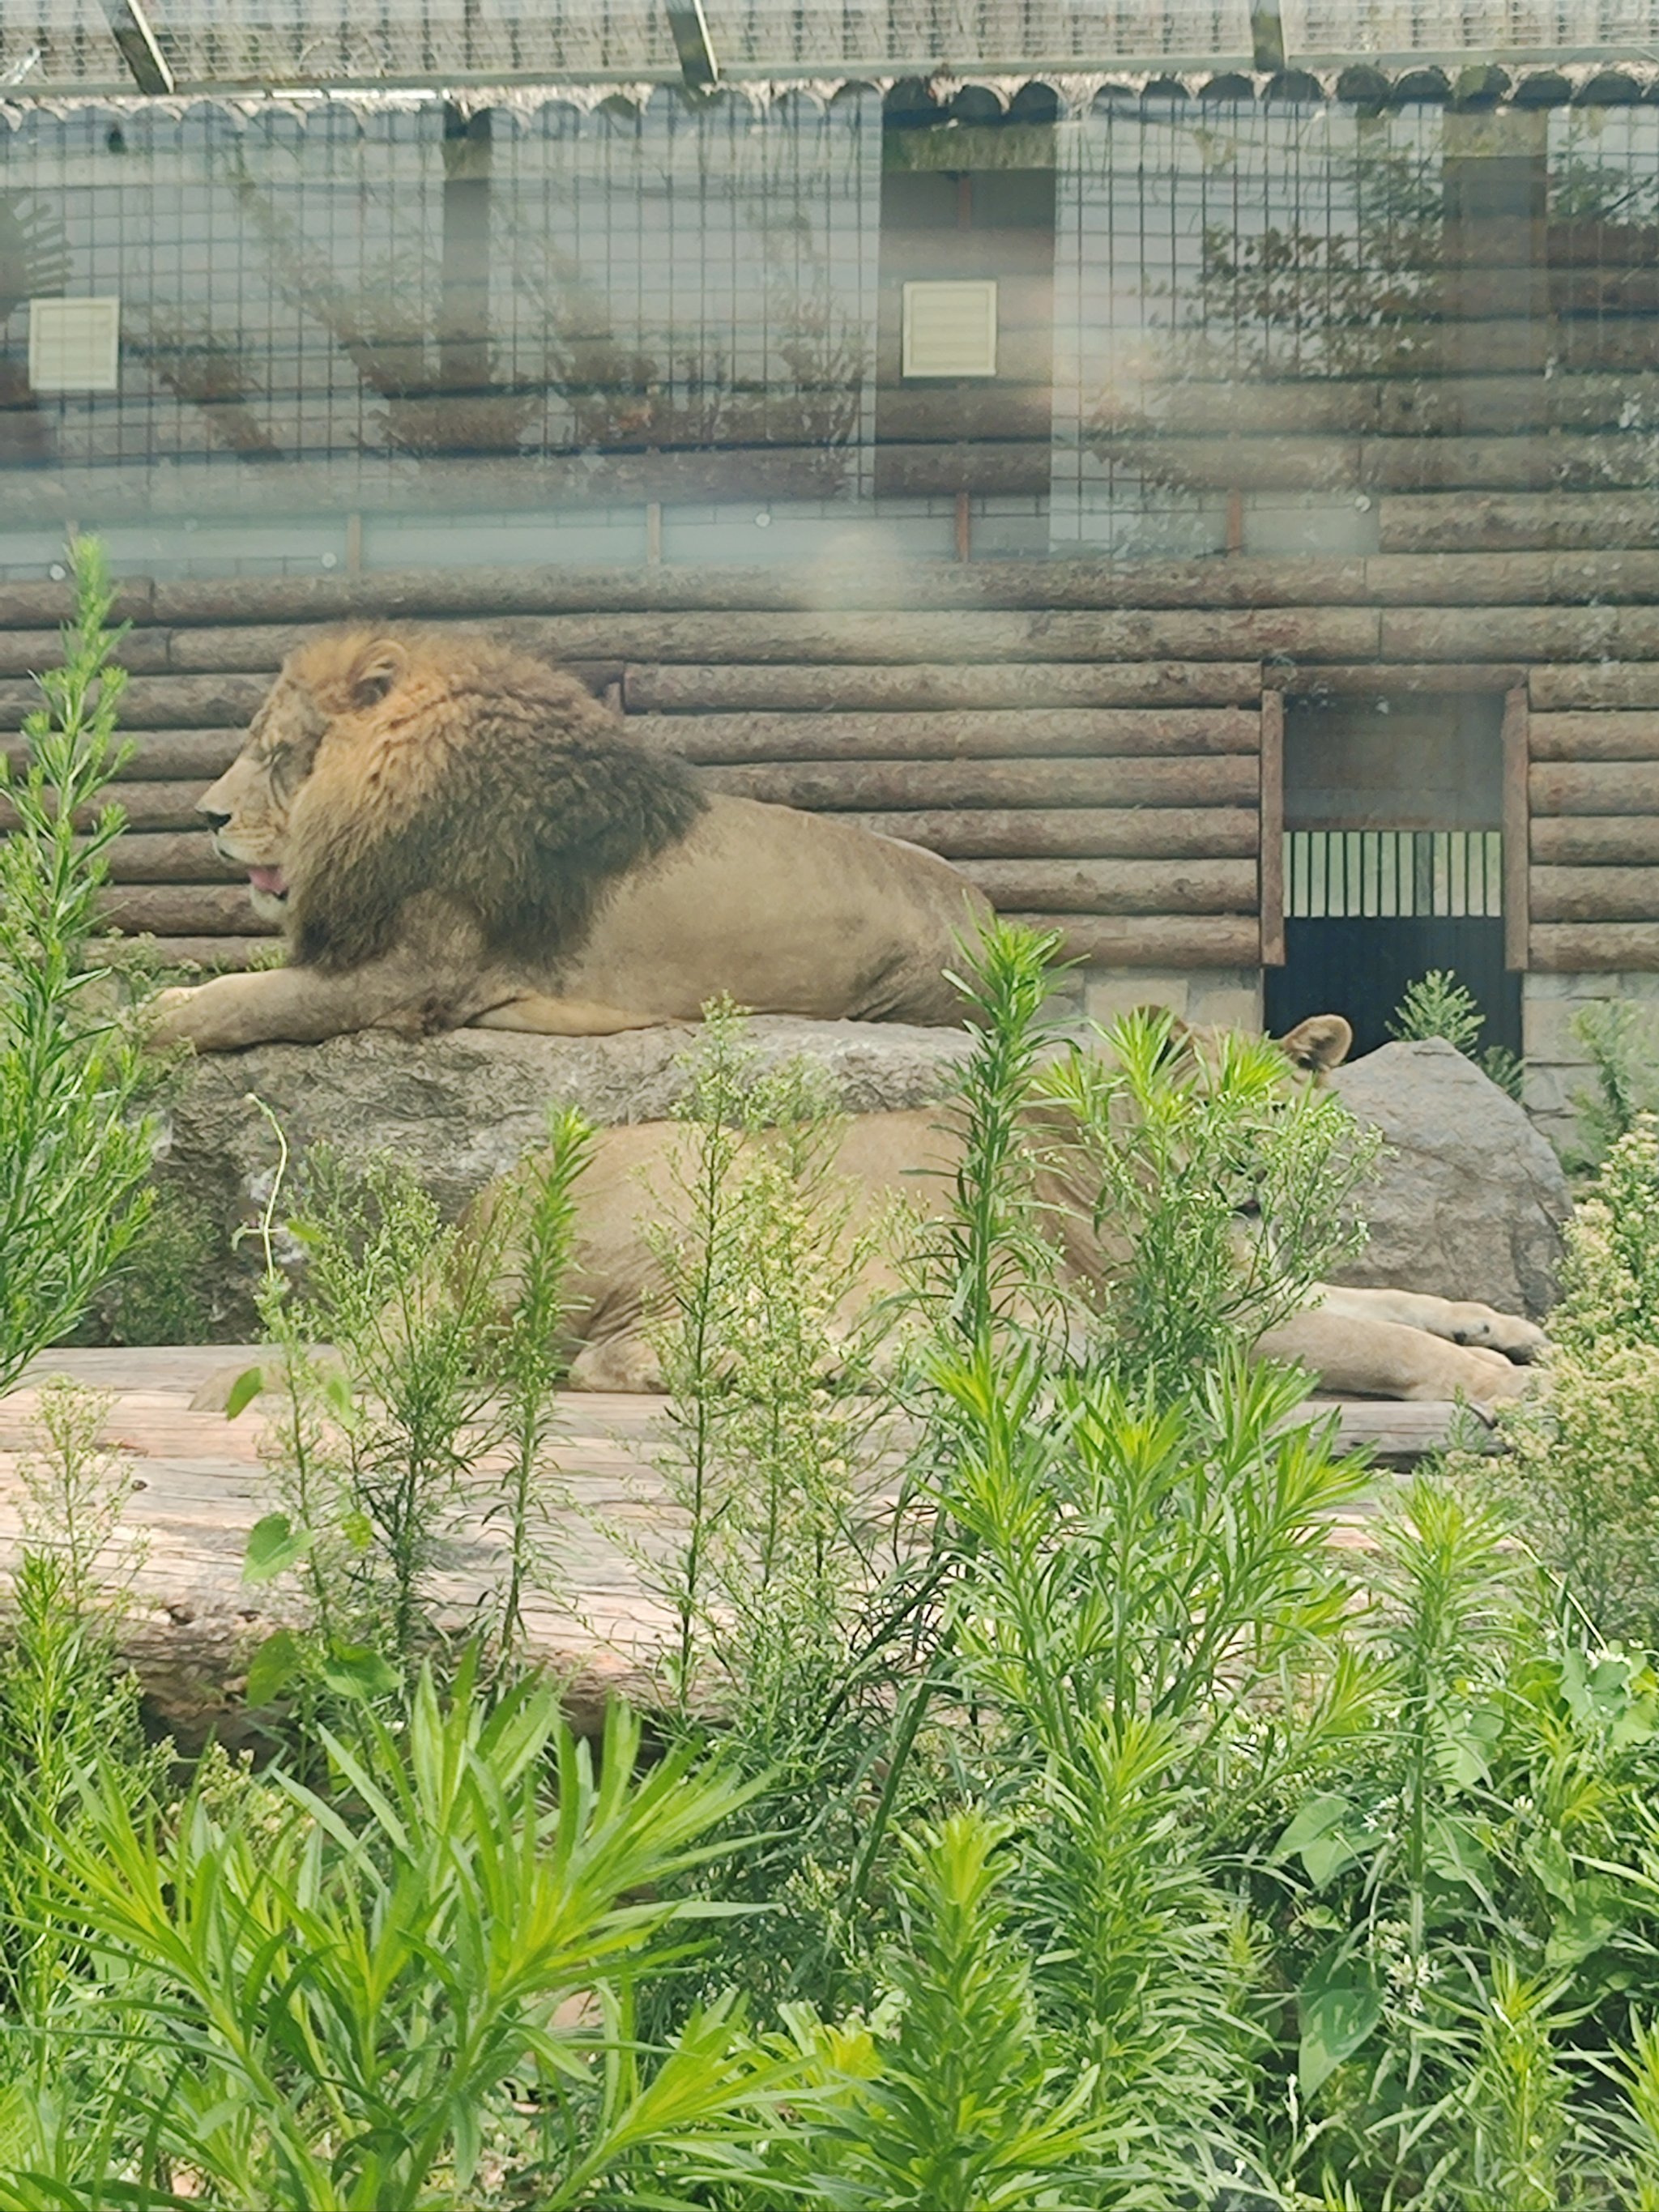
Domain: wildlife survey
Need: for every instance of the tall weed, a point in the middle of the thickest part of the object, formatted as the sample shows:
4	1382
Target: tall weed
376	1997
1438	1005
1581	1475
433	1412
1220	1188
74	1144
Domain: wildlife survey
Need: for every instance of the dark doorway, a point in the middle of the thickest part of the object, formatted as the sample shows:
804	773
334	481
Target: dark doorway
1394	860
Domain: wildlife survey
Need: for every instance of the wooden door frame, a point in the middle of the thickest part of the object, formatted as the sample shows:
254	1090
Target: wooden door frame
1517	829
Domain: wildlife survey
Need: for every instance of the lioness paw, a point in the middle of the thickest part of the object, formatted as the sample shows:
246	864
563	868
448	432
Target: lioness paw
1476	1324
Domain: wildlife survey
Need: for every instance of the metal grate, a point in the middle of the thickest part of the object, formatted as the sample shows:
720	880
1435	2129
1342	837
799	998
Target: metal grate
54	44
352	308
1332	874
303	42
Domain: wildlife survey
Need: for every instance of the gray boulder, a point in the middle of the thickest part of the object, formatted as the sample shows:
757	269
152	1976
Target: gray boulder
1470	1201
1468	1204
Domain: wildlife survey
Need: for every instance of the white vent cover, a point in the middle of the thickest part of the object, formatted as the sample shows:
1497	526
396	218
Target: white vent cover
75	345
950	330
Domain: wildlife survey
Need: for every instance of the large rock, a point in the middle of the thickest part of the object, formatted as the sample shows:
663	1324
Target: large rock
1471	1199
1469	1203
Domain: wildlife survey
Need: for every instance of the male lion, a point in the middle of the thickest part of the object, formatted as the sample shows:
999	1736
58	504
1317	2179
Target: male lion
453	833
1371	1343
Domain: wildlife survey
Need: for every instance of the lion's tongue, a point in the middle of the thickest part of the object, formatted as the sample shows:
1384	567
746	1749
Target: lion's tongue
268	879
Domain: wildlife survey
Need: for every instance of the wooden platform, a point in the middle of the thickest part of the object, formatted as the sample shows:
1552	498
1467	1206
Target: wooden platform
202	1486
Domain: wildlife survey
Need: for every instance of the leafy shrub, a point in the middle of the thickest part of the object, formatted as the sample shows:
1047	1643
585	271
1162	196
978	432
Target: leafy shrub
432	1402
1221	1189
1582	1476
161	1292
1623	1044
1046	1813
1439	1006
368	1995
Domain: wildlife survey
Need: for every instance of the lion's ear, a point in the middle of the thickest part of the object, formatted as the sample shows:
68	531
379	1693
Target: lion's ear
1322	1041
377	670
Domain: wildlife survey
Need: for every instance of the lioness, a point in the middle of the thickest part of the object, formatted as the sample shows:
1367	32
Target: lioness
1369	1343
452	833
1385	1344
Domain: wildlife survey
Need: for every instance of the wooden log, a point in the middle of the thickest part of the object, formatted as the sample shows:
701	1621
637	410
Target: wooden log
43	606
220	954
1369	679
1271	865
1226	779
1445	522
146	805
1352	467
1155	941
1517	766
1595	839
1166	887
1543	579
1015	732
1510	406
1315	406
653	688
1285	464
1574	948
26	652
163	856
602	1628
1594	787
179	909
1313	633
160	702
1629	736
1076	833
1562	460
1593	682
159	755
493	595
1524	634
1595	894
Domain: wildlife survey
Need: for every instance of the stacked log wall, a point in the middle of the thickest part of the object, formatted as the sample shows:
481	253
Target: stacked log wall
1082	738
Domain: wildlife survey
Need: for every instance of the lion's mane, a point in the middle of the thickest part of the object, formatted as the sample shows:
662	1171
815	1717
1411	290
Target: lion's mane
449	763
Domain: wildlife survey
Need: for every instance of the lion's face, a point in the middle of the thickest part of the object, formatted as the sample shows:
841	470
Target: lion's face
250	808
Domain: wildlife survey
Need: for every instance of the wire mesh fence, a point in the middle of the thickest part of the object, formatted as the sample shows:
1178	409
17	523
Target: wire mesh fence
1263	321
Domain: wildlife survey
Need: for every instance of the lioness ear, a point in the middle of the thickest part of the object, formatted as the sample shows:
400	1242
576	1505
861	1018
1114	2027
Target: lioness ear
1321	1041
377	670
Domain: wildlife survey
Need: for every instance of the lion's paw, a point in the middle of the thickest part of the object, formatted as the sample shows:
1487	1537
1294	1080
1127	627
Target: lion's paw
169	1017
1521	1340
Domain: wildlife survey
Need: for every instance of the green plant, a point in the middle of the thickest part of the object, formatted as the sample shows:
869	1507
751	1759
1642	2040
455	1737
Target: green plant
1581	1475
369	1998
530	1242
66	1705
766	1423
161	1292
1217	1190
446	1347
971	2102
75	1149
1439	1006
774	1427
1622	1041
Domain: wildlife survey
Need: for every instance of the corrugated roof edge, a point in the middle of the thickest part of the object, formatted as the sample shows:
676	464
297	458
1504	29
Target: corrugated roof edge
980	93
